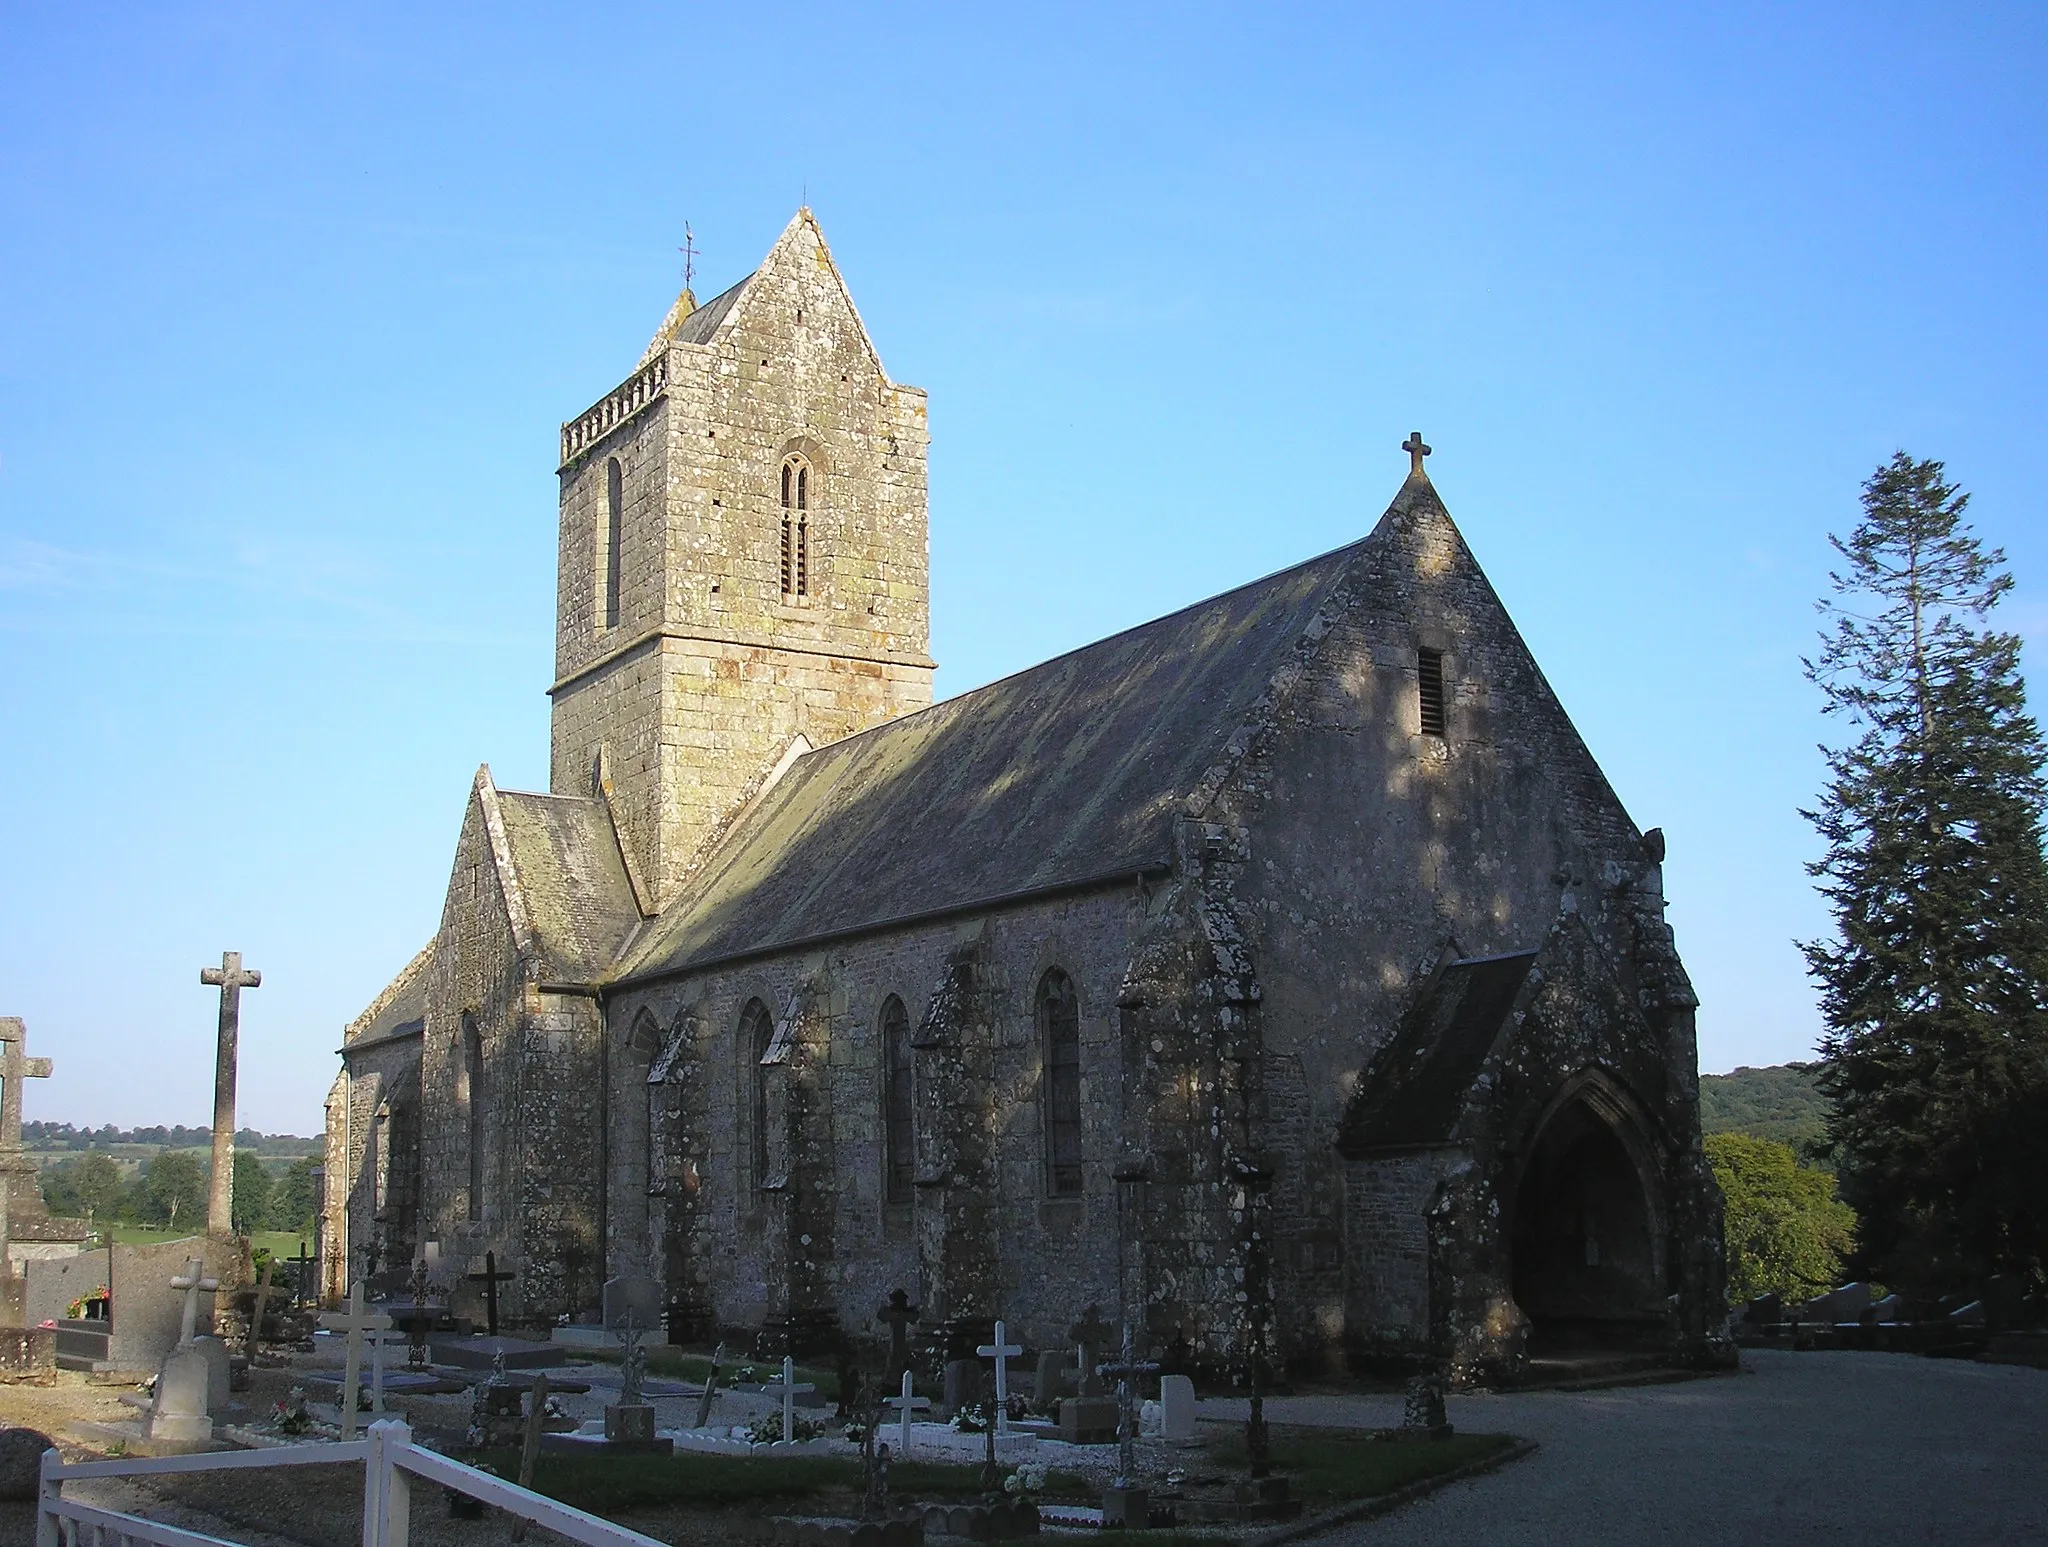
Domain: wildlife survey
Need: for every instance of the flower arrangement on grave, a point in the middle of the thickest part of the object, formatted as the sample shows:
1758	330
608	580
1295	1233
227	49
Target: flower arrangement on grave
290	1415
746	1375
971	1419
767	1429
1028	1478
94	1305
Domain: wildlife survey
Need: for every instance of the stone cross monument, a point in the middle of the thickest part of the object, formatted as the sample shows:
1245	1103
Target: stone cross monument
14	1068
230	979
178	1411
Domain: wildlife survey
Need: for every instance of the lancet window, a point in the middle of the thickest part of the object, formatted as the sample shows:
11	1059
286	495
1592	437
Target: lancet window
900	1136
796	534
1059	1031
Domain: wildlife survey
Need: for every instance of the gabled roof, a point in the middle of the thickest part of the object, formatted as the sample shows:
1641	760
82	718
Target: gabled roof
1067	773
398	1011
1415	1089
689	323
572	883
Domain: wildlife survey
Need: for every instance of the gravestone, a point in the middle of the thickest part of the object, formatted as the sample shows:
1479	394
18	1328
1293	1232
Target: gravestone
1055	1378
961	1387
1002	1351
1837	1305
906	1403
1091	1417
632	1308
180	1411
146	1315
354	1323
710	1391
1176	1408
789	1388
898	1315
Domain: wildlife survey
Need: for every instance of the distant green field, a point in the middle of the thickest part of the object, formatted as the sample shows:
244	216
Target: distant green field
279	1243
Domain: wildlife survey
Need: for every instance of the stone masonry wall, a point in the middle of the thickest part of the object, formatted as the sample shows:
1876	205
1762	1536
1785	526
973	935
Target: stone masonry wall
1054	1255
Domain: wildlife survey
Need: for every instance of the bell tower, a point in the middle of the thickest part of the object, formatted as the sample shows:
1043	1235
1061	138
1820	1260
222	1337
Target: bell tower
743	557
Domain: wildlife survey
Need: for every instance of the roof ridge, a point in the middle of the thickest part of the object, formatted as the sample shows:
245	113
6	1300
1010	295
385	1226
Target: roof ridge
1093	644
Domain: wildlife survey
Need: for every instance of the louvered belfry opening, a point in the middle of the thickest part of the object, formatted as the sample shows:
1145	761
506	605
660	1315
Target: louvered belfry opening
1429	676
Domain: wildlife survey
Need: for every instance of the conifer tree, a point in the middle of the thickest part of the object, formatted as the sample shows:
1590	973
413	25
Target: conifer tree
1935	988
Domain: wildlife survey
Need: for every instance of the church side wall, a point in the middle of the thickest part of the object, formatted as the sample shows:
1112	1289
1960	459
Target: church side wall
1056	1255
367	1155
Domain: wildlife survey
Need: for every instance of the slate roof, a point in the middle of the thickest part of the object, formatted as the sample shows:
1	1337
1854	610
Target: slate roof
1414	1090
696	326
1063	774
572	880
398	1011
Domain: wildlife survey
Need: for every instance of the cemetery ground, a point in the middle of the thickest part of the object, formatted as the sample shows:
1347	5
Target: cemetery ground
1797	1447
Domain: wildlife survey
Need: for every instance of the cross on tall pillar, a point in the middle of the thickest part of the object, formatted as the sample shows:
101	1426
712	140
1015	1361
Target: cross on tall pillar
230	979
1125	1372
14	1068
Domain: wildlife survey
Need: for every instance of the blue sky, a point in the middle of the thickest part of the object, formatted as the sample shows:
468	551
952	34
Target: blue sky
292	302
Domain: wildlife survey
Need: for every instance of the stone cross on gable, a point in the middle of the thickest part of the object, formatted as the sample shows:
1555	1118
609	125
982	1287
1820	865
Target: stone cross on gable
1416	452
1002	1350
230	979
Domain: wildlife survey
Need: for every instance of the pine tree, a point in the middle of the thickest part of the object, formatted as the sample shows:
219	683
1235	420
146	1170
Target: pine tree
1935	989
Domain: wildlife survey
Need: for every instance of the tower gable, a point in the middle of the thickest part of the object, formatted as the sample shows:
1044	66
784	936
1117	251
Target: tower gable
743	555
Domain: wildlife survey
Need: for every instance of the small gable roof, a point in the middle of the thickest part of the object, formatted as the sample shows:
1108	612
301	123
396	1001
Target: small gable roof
398	1011
1415	1090
571	879
1064	774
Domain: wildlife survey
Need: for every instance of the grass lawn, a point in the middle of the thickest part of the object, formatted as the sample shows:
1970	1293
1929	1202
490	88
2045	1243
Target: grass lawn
682	1364
601	1484
1326	1467
1335	1466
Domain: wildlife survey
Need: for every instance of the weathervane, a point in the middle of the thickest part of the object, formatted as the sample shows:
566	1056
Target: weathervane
689	252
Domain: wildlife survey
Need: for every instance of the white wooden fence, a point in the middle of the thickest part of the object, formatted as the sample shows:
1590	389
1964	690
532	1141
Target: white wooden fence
390	1462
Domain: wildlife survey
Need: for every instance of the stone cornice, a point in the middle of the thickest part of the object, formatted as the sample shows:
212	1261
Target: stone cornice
719	637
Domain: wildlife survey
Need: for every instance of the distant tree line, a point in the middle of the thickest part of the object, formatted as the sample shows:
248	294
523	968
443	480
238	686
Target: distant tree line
170	1190
65	1136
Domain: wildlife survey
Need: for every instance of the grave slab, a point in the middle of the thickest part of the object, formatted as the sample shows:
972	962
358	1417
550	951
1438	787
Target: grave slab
481	1353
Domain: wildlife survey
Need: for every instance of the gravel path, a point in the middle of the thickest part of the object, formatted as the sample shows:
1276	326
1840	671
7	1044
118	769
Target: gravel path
1852	1448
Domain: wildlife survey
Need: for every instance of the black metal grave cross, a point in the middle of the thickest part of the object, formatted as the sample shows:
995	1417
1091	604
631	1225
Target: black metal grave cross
491	1278
899	1313
1125	1372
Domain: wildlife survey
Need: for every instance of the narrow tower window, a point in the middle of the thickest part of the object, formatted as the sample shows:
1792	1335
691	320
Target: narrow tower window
900	1136
1429	676
796	538
1059	1030
614	525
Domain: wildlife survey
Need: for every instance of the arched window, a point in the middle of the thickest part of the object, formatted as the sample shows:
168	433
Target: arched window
614	530
1059	1032
898	1133
757	1029
473	1097
796	540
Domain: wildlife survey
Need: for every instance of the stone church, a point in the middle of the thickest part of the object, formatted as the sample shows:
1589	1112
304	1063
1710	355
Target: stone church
1281	974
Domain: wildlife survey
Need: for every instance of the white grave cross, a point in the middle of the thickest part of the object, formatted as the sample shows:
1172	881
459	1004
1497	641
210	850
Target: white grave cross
1002	1350
355	1324
789	1387
905	1405
195	1282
